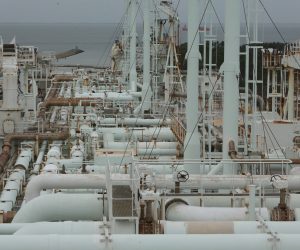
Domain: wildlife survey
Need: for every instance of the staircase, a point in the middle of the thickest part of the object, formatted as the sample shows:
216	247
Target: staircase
178	129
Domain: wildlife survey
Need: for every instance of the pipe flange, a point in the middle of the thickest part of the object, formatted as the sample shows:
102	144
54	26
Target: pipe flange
173	201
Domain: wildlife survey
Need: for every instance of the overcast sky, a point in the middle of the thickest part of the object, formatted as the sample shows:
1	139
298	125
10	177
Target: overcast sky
97	11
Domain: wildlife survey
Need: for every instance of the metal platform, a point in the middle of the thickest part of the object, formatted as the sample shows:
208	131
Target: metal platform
123	201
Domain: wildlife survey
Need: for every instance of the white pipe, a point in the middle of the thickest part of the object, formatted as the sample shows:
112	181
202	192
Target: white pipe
146	89
112	96
15	180
24	159
231	75
39	160
64	181
252	191
53	115
10	228
142	148
54	152
67	227
73	163
182	212
135	121
222	181
230	227
133	11
140	134
290	98
192	138
149	242
69	181
11	190
62	207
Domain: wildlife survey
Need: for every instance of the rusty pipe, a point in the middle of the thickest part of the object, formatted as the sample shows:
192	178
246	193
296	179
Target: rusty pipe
70	102
232	151
5	154
33	136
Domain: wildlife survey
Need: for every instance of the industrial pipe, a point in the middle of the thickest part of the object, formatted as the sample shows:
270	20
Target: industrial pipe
13	184
62	207
230	227
179	211
149	242
64	181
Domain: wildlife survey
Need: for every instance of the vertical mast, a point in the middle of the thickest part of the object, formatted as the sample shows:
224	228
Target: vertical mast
146	90
192	138
132	31
231	77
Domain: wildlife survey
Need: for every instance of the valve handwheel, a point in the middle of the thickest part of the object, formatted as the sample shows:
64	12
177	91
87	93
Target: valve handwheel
183	176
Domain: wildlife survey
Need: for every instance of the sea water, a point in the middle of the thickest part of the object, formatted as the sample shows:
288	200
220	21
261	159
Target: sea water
96	39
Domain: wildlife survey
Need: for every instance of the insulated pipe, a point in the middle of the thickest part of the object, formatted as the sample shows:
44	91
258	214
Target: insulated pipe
142	148
138	134
231	69
39	160
135	121
62	207
14	182
64	181
11	190
182	212
69	227
230	227
192	138
23	159
150	242
222	181
10	228
73	163
61	228
112	96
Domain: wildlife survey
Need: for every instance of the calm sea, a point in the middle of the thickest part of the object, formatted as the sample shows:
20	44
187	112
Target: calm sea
96	39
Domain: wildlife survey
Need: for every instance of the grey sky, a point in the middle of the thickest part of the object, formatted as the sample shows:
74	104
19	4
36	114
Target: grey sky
286	11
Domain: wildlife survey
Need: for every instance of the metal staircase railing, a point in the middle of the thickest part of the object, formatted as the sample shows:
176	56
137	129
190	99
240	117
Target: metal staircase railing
178	129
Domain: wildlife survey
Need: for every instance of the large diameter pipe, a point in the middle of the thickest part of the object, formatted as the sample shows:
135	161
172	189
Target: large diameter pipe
230	227
223	181
150	242
11	190
192	138
66	228
10	228
231	83
24	159
68	181
62	207
140	134
61	228
183	212
15	180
